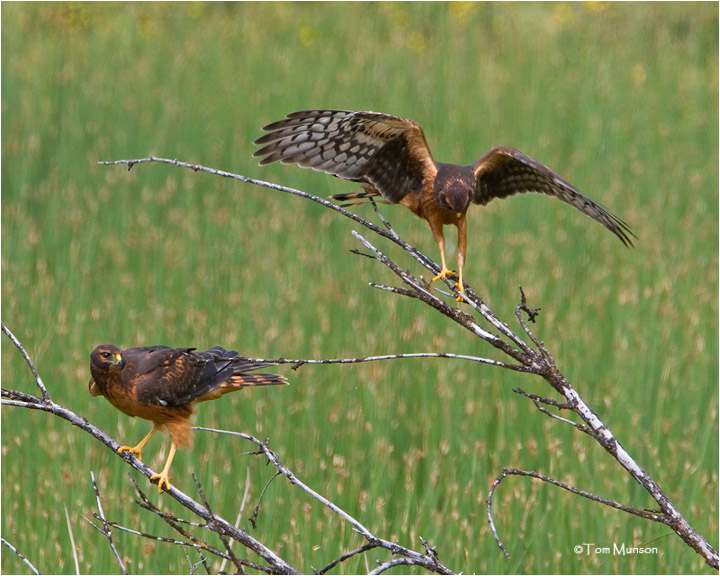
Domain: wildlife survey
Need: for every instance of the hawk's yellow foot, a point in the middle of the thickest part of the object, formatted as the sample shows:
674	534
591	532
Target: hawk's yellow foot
460	285
162	478
135	451
444	273
138	449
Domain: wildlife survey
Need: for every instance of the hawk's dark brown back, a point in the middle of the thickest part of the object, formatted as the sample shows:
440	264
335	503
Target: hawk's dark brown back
166	376
386	152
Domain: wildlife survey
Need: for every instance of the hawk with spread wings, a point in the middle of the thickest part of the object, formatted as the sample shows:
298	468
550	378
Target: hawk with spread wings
163	385
391	159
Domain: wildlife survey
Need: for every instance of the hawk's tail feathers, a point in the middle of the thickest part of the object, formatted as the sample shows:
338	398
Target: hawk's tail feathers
244	380
358	198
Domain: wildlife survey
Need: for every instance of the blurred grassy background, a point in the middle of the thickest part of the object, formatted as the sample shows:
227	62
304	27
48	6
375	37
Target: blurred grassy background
621	99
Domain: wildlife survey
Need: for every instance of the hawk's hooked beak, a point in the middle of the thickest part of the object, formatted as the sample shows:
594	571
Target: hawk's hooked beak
118	360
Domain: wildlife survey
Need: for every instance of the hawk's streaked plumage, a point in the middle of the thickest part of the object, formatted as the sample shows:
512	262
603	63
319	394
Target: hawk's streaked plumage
390	157
163	384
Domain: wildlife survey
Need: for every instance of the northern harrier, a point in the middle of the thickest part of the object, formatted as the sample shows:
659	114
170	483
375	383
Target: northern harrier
163	384
391	159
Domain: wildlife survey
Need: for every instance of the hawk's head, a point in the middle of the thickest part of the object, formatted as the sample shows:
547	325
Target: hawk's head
454	187
105	359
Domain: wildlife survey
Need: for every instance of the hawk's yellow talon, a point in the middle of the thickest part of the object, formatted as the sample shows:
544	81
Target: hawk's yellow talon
461	289
444	273
162	479
133	450
164	476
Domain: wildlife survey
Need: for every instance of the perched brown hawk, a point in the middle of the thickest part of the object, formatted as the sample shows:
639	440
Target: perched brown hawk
391	159
163	385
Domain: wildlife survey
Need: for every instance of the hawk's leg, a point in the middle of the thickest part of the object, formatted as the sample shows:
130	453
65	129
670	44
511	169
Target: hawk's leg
459	284
462	246
462	243
440	239
164	476
136	451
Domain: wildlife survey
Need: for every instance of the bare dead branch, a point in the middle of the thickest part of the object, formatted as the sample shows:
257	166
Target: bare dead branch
466	320
256	511
382	218
542	363
105	529
28	361
384	566
531	312
195	565
21	556
240	512
424	260
539	401
175	523
165	540
190	540
223	538
361	550
298	363
428	561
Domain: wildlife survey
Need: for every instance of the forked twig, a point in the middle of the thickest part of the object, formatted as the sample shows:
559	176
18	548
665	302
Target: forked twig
105	529
28	361
223	537
646	514
240	512
539	401
256	511
361	550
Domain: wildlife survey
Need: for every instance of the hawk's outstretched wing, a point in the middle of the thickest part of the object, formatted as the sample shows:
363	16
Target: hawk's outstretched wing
504	171
386	152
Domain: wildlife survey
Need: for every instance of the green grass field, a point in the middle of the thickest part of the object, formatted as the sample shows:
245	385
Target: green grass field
620	99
